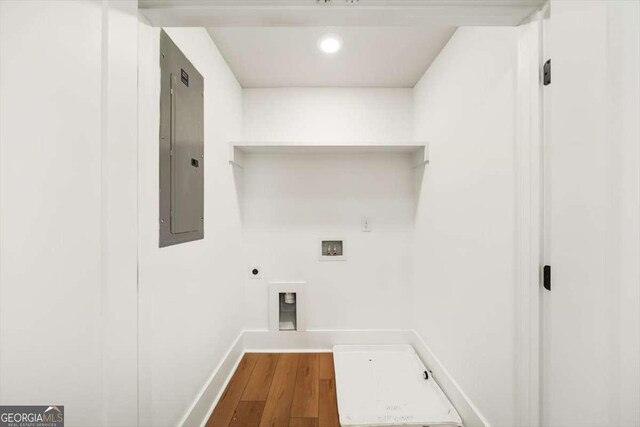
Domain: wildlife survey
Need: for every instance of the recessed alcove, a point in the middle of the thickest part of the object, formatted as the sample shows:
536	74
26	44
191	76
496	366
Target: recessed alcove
328	186
442	248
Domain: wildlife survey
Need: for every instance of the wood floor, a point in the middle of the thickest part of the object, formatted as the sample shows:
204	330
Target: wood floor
279	390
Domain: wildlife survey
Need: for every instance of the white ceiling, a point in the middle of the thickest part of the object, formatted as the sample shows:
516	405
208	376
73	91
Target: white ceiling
370	57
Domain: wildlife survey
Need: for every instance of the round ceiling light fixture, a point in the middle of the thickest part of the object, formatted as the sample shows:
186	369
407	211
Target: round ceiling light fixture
330	43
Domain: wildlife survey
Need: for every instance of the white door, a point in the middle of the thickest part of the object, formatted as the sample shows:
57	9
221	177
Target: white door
590	317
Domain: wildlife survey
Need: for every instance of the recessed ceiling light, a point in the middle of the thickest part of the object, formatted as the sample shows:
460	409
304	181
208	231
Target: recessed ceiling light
330	43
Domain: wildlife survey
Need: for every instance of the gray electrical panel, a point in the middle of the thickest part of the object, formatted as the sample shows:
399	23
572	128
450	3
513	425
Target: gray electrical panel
181	147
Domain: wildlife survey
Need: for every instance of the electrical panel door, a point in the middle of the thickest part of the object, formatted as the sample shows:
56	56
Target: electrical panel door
181	147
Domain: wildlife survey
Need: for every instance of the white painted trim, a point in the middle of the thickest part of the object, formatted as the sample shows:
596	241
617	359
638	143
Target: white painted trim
471	416
118	213
264	341
528	221
246	13
202	407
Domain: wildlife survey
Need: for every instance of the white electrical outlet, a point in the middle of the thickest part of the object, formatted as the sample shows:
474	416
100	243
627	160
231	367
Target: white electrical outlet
255	272
366	224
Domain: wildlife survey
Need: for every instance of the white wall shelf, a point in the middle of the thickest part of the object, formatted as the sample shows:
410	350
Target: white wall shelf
419	151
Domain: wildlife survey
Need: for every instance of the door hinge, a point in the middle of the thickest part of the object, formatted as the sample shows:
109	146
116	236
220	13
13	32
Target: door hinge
546	73
546	277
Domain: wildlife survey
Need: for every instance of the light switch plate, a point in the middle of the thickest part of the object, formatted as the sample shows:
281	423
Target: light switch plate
365	224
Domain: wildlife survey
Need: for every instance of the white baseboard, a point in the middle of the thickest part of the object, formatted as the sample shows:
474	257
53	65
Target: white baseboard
319	340
201	409
264	341
470	415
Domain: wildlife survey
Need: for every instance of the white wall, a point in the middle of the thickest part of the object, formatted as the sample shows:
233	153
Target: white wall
327	115
51	228
291	201
190	294
68	223
591	375
463	278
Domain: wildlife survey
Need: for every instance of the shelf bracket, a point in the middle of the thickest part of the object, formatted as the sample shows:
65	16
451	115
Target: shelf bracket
421	157
236	156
